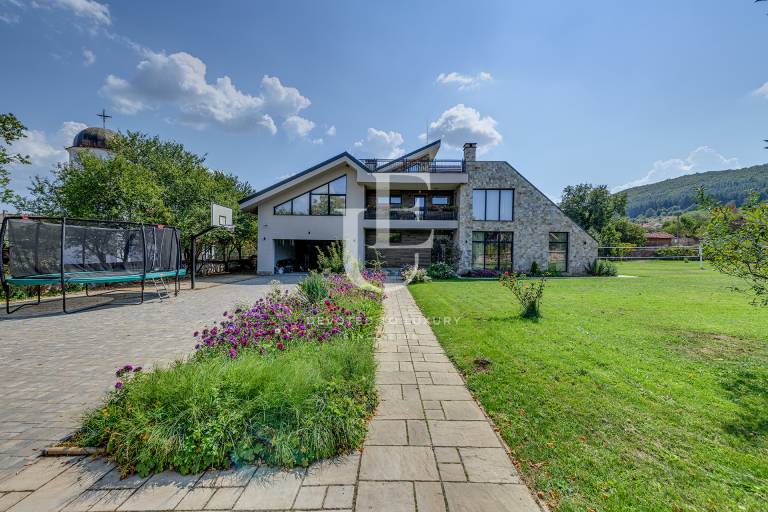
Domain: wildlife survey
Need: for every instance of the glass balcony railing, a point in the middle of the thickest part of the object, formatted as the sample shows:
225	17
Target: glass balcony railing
410	213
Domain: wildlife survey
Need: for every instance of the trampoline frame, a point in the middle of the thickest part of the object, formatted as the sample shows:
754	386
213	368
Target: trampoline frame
63	277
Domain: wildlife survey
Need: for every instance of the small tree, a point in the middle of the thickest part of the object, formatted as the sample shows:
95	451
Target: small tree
527	291
736	242
11	130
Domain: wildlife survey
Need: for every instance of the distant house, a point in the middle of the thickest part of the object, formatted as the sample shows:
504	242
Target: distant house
658	239
483	212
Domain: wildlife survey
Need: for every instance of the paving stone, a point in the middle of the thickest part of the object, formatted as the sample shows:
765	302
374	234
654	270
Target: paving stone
386	432
85	501
113	499
8	500
422	381
463	433
447	454
411	392
65	487
385	496
432	404
448	379
462	410
390	391
162	491
434	414
429	497
489	465
310	497
197	498
477	497
223	499
339	496
270	489
418	434
398	463
452	472
436	357
113	480
38	474
427	349
395	378
444	393
388	366
400	409
235	477
339	471
406	366
433	367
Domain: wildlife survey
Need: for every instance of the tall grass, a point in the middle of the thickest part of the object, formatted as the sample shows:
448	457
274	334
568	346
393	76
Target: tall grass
284	408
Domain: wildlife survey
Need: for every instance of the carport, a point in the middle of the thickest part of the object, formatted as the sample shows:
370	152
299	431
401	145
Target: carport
298	255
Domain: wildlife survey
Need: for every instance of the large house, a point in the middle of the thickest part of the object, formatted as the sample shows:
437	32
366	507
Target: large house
417	209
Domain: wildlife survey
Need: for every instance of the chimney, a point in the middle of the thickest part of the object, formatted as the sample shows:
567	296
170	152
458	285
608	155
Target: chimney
470	150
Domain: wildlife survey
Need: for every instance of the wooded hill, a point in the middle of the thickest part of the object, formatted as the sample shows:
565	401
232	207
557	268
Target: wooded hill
679	194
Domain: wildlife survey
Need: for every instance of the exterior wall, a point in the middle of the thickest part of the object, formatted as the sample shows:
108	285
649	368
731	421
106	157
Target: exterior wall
535	216
311	227
395	256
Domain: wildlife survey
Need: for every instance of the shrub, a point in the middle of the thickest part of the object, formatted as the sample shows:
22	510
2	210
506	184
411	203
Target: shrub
333	259
441	271
280	382
678	252
313	289
527	291
275	293
414	274
535	270
602	268
483	272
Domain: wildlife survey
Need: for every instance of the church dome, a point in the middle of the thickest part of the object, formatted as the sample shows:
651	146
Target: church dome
93	137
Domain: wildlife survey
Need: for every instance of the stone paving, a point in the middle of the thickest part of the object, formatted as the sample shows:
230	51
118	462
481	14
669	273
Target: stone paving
430	448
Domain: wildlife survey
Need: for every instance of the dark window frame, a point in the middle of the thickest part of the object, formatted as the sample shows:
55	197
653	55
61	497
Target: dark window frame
441	196
485	205
567	244
312	194
498	243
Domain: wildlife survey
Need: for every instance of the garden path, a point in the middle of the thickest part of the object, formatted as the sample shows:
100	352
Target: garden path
429	448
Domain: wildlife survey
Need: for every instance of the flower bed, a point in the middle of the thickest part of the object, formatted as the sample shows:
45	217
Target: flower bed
278	381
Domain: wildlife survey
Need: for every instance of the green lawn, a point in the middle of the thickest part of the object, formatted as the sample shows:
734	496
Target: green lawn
646	393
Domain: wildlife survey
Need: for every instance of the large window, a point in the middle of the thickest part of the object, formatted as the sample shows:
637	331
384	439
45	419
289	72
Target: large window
327	199
558	252
492	204
492	250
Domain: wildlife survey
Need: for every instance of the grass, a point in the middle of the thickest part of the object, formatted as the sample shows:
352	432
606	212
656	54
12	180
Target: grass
285	407
647	393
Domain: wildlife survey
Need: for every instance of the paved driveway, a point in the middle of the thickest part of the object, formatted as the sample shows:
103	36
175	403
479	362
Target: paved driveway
55	366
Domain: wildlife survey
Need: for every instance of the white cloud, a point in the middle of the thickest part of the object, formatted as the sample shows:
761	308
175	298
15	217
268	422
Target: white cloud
463	81
44	152
89	9
460	124
380	144
331	132
10	19
762	90
298	126
179	80
88	57
701	159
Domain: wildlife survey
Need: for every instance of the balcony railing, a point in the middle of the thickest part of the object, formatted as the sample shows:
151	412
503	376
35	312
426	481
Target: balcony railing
400	165
410	213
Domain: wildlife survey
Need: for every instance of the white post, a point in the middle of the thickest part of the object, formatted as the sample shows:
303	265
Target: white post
701	258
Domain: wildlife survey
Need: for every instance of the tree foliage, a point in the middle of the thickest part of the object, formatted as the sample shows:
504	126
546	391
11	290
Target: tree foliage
736	242
148	180
11	130
592	207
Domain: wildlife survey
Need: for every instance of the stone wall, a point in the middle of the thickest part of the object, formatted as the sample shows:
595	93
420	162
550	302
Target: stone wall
535	216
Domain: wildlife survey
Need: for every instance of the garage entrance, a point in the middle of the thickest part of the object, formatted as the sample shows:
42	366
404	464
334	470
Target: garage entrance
298	255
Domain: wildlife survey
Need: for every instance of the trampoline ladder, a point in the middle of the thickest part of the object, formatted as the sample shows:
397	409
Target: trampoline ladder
161	288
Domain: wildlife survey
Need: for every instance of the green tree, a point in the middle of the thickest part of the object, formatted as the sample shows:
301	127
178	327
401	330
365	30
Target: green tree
592	207
736	242
621	230
688	224
11	130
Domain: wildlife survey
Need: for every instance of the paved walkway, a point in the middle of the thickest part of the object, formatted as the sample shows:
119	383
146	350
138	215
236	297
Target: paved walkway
429	448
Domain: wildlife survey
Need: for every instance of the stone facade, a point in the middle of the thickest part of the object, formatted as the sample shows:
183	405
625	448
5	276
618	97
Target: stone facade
534	217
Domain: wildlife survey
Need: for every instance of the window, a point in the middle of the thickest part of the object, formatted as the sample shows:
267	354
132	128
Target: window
384	200
492	250
558	252
392	237
440	200
327	199
492	204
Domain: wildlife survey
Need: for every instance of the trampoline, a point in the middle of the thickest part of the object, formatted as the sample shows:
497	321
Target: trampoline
60	250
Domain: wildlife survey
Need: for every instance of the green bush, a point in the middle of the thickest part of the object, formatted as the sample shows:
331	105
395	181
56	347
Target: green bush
414	274
528	292
331	261
602	268
313	289
441	271
535	270
678	252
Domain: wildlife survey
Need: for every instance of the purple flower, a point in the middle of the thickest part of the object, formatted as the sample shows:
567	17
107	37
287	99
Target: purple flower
119	384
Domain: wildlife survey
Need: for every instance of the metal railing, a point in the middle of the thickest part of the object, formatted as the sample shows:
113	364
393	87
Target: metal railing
411	213
401	165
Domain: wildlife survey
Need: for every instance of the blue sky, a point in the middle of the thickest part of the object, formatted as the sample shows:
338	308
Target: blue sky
567	92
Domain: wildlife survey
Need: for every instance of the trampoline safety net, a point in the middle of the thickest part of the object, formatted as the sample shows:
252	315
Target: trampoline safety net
106	247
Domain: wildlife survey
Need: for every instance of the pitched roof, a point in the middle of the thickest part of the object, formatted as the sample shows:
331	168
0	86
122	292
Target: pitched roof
659	234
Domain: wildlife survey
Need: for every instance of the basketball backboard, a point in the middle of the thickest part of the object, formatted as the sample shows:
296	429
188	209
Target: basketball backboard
221	216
